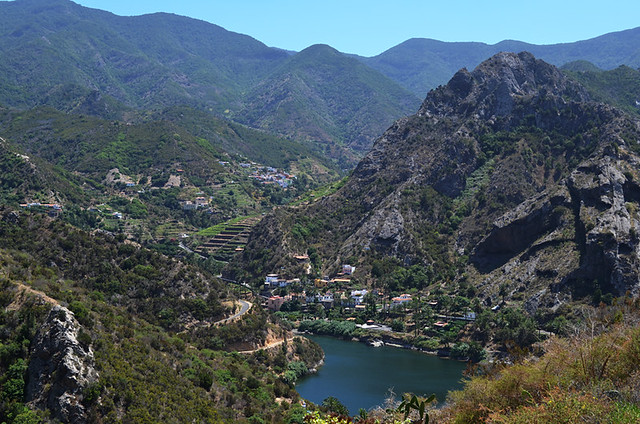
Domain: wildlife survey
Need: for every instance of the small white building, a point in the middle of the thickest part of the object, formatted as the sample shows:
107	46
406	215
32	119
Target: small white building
189	206
358	296
271	280
403	299
348	269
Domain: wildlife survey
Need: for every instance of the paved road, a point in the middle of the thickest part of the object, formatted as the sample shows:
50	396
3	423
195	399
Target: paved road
243	310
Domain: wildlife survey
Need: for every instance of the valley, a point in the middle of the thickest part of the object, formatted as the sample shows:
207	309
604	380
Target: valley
184	209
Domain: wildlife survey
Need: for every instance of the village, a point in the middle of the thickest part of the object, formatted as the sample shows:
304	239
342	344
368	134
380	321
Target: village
434	317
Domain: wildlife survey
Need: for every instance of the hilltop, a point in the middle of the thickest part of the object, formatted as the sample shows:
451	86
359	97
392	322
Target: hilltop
325	95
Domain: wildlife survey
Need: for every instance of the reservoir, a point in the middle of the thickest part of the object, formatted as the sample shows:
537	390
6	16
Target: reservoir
361	376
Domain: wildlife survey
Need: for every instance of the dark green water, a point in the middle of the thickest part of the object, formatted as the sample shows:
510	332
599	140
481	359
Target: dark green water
360	376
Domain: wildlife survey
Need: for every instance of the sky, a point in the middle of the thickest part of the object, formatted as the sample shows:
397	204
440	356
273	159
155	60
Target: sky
369	27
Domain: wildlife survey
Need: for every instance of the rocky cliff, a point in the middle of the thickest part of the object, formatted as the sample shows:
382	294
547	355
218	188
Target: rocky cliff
61	368
509	174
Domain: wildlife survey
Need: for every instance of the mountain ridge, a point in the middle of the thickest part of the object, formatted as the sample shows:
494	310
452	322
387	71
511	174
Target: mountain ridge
437	185
338	105
420	64
60	54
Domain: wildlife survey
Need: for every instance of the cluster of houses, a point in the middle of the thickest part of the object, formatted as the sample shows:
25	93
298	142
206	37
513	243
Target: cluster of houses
265	174
353	299
269	175
328	298
52	209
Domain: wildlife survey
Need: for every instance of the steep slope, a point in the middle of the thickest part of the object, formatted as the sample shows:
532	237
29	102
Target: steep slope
29	178
178	137
141	61
81	60
97	329
507	175
422	64
322	95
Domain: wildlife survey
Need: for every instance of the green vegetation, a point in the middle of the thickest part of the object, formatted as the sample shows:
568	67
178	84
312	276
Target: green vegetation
586	377
413	404
344	329
619	87
327	97
130	305
320	192
219	228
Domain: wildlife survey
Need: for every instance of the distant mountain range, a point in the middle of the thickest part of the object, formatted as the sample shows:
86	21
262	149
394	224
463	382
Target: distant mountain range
59	53
421	64
76	59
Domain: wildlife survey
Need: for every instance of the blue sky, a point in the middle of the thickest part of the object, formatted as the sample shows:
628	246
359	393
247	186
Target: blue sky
369	27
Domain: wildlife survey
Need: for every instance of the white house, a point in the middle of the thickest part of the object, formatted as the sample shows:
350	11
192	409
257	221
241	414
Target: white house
271	280
358	296
403	299
348	269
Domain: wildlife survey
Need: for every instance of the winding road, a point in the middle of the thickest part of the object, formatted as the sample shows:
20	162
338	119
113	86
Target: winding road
243	310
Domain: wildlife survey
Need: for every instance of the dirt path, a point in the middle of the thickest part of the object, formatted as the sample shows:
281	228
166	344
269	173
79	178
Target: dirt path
268	346
21	297
244	308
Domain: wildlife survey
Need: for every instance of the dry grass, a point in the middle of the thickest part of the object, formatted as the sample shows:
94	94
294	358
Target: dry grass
590	377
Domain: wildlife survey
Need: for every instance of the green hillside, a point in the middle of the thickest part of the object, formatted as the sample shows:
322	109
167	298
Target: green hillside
140	61
141	313
183	137
322	95
619	87
80	60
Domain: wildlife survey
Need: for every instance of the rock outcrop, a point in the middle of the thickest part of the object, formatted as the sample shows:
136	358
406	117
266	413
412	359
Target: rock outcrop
61	368
509	174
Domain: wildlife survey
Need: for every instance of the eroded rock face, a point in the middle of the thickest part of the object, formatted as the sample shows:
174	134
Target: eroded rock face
594	211
60	368
608	214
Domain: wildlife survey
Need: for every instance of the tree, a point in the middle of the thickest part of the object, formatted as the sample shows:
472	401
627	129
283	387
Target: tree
515	326
398	326
332	404
370	305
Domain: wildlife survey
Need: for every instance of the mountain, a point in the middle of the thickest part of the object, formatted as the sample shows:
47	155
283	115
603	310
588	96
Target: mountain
178	136
140	178
322	95
145	61
25	178
509	174
88	61
81	60
421	64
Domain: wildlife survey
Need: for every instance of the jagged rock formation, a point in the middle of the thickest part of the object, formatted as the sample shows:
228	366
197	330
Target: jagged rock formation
60	368
508	174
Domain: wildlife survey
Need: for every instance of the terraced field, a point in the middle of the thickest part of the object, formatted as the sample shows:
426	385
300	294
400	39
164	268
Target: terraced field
227	239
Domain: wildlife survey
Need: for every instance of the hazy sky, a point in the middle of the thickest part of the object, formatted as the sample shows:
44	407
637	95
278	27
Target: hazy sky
369	27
